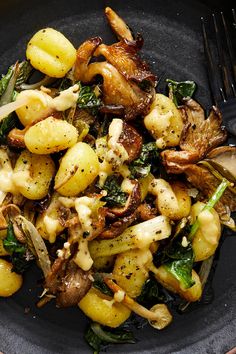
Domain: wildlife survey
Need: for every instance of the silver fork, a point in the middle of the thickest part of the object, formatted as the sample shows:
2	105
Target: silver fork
221	66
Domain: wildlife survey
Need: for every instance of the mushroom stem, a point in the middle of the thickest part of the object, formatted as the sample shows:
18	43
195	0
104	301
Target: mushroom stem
130	303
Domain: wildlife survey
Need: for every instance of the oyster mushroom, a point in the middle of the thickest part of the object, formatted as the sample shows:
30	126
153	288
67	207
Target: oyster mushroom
223	159
198	138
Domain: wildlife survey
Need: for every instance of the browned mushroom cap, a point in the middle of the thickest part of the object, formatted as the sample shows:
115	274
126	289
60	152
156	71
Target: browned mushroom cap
74	285
131	141
124	57
146	212
16	138
131	204
84	54
198	138
118	26
8	212
67	282
117	227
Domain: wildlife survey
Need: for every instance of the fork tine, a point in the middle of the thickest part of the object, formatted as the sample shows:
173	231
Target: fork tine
230	49
226	91
234	16
212	68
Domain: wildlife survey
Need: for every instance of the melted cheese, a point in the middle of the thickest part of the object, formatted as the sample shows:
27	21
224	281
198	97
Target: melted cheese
112	152
66	99
52	227
83	258
83	208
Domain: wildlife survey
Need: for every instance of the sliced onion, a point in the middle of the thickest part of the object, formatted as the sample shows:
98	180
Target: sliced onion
11	107
38	243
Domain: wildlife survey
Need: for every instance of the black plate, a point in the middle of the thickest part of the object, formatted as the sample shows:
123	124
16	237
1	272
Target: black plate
173	47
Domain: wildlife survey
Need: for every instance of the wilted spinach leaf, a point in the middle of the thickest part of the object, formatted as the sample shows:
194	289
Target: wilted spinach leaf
115	196
6	125
100	285
152	293
20	256
5	80
147	159
179	263
180	90
88	100
97	336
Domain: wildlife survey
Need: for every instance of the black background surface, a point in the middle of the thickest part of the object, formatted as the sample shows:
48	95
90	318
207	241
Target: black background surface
173	47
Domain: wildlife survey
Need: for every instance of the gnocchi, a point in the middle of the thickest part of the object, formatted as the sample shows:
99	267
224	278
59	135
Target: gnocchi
10	282
164	122
50	135
192	294
207	237
78	169
172	200
103	309
131	270
39	102
50	52
32	174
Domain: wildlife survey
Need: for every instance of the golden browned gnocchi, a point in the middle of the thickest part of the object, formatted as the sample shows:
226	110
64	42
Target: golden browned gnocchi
131	270
39	102
164	122
192	294
50	135
10	282
172	200
103	309
33	174
207	237
78	169
50	52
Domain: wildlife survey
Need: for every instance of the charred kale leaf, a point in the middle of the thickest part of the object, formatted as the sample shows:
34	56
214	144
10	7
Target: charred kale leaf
147	159
181	90
20	256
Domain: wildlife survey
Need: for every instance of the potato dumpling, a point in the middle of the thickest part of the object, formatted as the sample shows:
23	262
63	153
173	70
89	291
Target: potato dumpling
192	294
207	237
78	169
172	200
33	174
164	122
39	102
130	272
10	282
104	310
50	135
50	52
